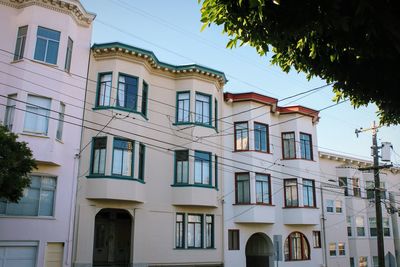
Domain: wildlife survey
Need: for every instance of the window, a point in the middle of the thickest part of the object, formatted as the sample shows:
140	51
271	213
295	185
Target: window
202	168
338	205
183	107
363	261
104	95
291	198
142	159
203	109
191	232
308	193
261	137
37	114
375	260
360	226
343	184
341	249
332	249
145	92
10	111
352	262
356	187
288	145
182	166
127	92
216	114
209	231
329	205
372	226
263	189
99	155
122	157
317	239
349	228
370	188
47	43
233	239
386	227
306	146
37	200
195	225
296	247
241	136
68	56
60	125
180	230
20	44
242	188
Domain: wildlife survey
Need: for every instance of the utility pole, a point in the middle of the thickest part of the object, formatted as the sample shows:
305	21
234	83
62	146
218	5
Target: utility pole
378	206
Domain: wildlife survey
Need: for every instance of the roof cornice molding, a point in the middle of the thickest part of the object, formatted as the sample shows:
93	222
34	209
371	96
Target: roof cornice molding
119	49
70	7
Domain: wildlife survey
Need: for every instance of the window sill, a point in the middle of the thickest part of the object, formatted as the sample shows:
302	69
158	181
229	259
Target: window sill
194	124
248	150
300	207
195	185
51	65
311	160
121	109
35	135
27	217
94	176
16	61
60	141
254	204
194	248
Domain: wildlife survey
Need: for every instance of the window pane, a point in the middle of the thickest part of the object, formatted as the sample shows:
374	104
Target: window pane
202	167
37	114
40	49
241	135
288	145
260	137
52	52
242	188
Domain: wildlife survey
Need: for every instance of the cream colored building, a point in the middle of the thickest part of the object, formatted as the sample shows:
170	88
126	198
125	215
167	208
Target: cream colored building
149	190
44	48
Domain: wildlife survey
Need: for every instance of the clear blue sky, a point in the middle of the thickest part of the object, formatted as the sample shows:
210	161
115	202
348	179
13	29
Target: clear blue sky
171	29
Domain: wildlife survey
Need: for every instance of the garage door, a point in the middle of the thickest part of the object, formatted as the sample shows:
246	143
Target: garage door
17	256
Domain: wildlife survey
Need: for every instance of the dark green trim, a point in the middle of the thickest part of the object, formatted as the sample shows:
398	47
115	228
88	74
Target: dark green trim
161	64
93	176
212	232
92	154
145	88
209	168
132	160
216	114
121	109
175	170
142	160
137	91
209	109
177	107
98	86
195	124
216	171
202	230
194	185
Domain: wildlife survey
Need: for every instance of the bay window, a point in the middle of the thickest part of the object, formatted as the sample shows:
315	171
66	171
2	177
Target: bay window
242	188
183	107
182	166
99	155
194	231
203	109
202	168
308	193
20	44
306	146
263	189
10	111
127	92
261	137
104	89
37	114
47	44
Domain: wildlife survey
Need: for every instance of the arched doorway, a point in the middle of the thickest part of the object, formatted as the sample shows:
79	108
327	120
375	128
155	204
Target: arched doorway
112	238
259	251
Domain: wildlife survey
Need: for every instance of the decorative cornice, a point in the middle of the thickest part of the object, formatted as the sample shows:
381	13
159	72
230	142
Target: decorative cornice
124	50
344	159
70	7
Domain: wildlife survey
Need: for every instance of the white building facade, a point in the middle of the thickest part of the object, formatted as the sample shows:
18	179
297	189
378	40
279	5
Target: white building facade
44	53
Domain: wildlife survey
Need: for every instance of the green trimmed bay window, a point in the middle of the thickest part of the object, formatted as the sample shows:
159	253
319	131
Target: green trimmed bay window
203	109
127	92
202	168
183	107
122	157
182	166
99	155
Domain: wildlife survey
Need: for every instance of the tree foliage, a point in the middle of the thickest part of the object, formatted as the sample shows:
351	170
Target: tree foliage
354	44
16	162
